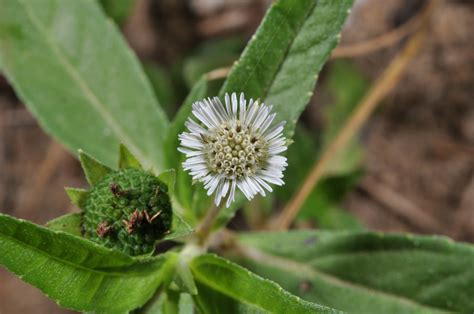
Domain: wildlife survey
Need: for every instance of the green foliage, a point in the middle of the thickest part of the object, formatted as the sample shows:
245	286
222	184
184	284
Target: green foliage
224	287
77	273
128	160
57	55
171	302
290	46
77	196
345	86
94	170
163	87
119	10
69	223
367	272
211	55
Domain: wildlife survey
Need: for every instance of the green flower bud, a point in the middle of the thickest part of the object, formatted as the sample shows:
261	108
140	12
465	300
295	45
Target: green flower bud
128	210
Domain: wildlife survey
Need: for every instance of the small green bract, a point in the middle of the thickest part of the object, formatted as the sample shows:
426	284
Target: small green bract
128	210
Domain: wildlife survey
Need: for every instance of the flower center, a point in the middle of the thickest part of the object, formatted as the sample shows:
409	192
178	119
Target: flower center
234	150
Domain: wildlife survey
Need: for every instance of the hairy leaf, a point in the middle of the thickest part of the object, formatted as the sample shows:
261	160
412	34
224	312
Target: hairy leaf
77	196
79	274
224	287
170	302
280	65
127	159
94	170
161	80
74	71
365	272
69	223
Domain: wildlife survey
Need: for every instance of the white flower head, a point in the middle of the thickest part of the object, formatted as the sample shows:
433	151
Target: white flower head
234	146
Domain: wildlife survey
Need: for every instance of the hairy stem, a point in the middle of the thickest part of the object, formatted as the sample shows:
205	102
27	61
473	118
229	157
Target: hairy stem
204	228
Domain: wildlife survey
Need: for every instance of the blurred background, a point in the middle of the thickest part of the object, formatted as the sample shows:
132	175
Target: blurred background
410	169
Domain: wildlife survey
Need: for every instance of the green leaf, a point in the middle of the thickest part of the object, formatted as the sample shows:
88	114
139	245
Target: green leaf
127	159
186	304
119	10
77	196
323	204
70	65
225	287
169	178
94	170
69	223
79	274
281	63
163	86
211	55
363	272
185	191
179	228
184	279
170	302
346	86
333	217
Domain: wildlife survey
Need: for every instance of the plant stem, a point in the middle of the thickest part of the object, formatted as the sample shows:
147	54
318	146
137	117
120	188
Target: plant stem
387	81
204	228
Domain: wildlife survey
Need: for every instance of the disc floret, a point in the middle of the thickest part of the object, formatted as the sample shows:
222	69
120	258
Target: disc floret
234	151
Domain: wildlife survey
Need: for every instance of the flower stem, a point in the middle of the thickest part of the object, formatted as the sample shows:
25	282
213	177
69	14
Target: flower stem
204	228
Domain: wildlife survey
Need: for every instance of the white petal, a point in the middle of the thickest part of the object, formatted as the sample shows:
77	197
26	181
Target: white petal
189	152
255	186
231	197
242	186
220	108
261	116
194	127
274	131
253	107
212	185
243	107
227	105
235	105
263	183
222	191
267	122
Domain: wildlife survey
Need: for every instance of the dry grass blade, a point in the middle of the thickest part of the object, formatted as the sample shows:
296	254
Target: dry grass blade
383	41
